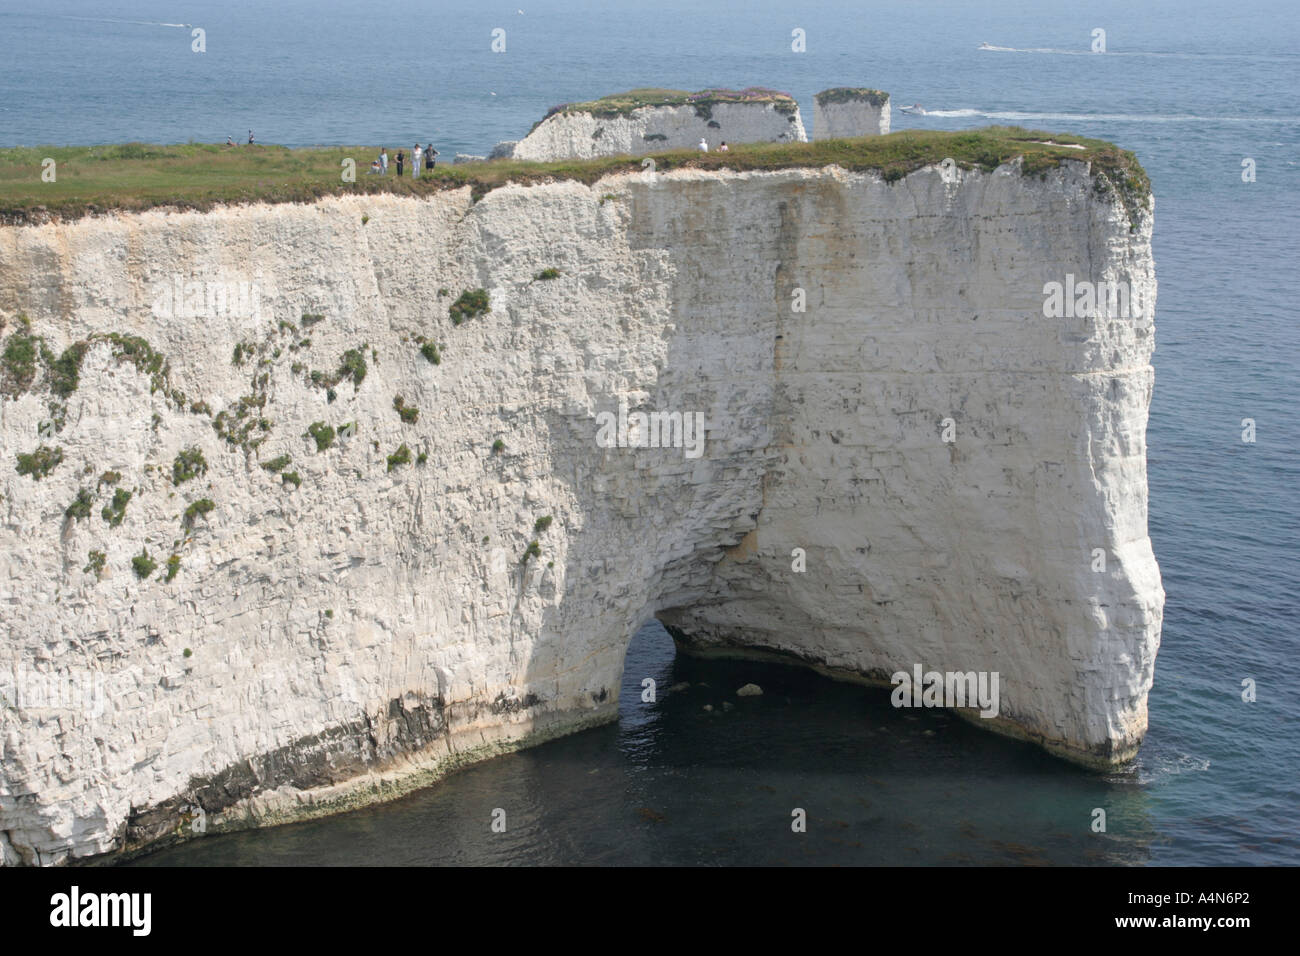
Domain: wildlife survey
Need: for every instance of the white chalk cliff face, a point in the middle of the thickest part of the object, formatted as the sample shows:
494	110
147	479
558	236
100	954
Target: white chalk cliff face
651	129
341	641
846	117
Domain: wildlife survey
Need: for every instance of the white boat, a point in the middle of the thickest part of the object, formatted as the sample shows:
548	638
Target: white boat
916	109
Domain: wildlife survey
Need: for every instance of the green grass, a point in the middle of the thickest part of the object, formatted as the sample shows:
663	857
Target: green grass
846	94
196	176
622	104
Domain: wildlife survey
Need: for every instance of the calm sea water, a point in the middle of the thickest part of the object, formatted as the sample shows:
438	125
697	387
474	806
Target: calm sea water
1192	86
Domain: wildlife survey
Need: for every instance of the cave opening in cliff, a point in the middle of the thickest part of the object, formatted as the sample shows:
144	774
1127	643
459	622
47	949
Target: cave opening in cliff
648	669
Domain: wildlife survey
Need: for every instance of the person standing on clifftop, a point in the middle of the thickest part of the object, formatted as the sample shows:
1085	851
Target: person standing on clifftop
704	145
401	158
428	157
416	155
383	161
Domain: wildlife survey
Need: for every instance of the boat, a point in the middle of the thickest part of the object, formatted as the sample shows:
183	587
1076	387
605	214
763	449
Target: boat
916	109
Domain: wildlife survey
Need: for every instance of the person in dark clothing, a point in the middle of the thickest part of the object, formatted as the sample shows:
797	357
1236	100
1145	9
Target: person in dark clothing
429	153
401	158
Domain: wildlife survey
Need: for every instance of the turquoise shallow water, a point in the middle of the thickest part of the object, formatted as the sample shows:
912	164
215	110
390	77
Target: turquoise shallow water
1192	87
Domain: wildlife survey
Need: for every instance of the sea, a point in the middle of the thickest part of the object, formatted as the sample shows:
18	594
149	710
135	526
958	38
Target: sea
1204	92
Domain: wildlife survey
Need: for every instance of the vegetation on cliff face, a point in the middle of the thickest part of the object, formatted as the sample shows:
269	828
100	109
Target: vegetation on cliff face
18	361
39	463
100	178
471	303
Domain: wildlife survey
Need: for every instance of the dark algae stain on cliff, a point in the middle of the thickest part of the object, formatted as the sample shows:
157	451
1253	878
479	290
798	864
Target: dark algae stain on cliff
340	753
96	179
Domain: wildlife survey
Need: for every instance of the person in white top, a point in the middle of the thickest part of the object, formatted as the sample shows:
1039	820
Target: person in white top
723	147
415	161
704	145
383	161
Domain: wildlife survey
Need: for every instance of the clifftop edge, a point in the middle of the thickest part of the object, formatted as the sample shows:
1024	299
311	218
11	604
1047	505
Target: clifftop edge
135	177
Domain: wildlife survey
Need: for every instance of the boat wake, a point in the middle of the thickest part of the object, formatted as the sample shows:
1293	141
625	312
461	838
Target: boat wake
992	48
1016	116
142	23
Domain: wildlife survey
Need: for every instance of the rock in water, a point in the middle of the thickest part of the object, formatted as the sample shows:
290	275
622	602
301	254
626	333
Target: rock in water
750	690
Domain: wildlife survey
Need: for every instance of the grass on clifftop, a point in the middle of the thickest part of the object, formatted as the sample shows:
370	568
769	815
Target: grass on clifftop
622	104
852	94
93	179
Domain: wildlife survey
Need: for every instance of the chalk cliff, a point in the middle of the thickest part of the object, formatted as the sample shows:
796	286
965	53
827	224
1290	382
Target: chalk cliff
845	112
585	131
355	604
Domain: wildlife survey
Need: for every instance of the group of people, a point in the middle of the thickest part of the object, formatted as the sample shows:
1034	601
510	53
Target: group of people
420	154
704	146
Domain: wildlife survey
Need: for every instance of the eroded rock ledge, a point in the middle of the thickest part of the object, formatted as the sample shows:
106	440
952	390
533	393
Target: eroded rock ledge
352	632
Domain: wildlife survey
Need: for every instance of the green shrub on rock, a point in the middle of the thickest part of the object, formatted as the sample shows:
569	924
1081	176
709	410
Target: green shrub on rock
400	457
322	434
115	511
40	462
190	463
196	510
95	563
470	303
80	507
143	565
